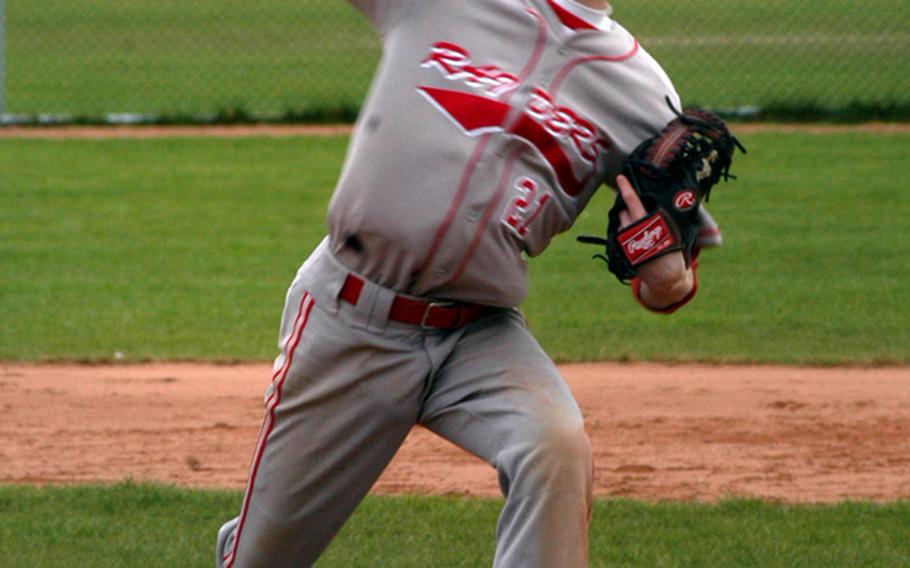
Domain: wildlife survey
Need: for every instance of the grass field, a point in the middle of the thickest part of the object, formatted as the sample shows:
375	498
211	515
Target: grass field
183	249
142	525
90	58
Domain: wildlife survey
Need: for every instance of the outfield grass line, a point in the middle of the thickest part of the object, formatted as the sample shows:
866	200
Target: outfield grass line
825	129
175	131
793	40
317	130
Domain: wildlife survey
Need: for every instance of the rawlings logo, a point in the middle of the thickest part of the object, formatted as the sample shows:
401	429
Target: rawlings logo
684	200
644	242
455	63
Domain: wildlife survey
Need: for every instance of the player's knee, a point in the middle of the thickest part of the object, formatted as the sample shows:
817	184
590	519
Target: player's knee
568	450
557	458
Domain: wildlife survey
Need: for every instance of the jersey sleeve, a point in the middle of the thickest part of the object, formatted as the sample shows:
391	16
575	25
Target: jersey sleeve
637	107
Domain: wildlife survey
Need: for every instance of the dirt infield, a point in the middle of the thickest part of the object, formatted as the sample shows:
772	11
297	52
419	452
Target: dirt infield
659	432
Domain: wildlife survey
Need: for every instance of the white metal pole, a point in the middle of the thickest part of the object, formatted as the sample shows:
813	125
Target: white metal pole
2	57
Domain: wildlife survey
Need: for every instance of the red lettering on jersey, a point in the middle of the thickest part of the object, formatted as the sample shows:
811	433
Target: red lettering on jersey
524	209
564	122
455	62
548	145
477	114
543	123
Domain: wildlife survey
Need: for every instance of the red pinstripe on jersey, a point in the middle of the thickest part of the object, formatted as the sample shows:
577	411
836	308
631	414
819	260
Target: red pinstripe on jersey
549	146
268	424
483	116
564	72
471	166
484	221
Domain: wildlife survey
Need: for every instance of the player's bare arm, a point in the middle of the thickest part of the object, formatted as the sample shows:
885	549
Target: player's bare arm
665	280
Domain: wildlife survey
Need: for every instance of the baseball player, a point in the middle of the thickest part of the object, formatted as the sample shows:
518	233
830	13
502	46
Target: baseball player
487	129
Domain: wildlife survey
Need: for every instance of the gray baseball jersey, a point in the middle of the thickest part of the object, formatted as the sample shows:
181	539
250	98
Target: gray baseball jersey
488	127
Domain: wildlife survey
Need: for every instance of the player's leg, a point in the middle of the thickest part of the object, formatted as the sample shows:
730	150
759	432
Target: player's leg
329	431
224	544
501	398
342	401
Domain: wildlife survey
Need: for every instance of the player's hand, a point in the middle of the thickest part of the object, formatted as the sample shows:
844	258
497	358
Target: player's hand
664	280
634	209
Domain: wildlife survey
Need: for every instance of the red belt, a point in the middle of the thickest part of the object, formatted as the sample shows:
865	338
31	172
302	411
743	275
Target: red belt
440	315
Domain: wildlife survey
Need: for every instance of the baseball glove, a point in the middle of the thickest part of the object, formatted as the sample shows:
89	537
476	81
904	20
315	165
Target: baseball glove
672	172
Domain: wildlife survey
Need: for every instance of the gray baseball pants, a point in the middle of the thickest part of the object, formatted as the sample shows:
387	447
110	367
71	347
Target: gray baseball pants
348	387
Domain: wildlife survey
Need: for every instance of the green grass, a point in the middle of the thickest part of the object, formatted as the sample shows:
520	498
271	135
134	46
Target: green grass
169	248
184	248
89	58
778	52
146	525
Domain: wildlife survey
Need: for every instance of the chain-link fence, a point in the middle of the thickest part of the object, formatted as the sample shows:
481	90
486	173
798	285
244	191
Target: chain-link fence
173	60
